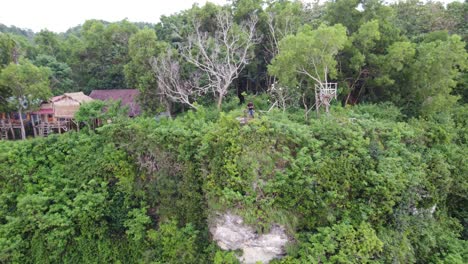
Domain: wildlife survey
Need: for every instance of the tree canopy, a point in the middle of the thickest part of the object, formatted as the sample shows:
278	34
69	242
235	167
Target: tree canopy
27	86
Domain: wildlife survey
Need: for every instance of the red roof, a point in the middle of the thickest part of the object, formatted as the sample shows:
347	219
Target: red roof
129	97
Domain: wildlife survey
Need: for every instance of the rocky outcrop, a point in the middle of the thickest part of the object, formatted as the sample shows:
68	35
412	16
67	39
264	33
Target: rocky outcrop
231	233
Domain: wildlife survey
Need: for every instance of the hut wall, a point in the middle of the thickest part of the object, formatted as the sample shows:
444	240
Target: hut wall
66	108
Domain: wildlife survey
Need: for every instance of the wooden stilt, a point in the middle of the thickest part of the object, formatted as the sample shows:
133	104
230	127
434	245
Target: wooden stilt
11	127
324	93
33	125
3	130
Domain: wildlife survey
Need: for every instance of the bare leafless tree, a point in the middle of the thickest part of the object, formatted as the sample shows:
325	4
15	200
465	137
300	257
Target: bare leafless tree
276	32
171	86
223	56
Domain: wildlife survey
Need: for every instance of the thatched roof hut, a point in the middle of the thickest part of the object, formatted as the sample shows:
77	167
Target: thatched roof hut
66	105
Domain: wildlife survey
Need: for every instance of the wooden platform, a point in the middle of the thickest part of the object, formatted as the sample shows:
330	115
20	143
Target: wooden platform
7	127
46	128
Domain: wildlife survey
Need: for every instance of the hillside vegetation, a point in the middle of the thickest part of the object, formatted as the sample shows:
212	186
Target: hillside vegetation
381	179
359	186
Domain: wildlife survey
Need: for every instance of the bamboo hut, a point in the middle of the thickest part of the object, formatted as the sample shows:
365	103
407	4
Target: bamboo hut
67	105
58	113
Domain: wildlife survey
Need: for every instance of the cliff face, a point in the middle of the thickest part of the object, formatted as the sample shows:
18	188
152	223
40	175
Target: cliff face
230	233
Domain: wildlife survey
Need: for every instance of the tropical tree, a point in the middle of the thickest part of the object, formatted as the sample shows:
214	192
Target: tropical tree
105	52
28	86
8	54
61	74
143	46
356	65
414	17
280	19
8	50
48	43
420	77
308	56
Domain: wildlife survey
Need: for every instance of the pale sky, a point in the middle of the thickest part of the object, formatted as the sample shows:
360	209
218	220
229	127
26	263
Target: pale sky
60	15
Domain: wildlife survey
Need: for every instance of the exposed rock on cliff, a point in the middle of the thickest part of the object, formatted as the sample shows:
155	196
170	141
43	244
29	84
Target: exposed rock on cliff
231	233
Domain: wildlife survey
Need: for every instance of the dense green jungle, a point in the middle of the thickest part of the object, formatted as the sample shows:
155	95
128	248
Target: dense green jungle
381	178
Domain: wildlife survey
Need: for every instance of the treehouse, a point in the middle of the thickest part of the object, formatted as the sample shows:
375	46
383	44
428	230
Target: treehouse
324	93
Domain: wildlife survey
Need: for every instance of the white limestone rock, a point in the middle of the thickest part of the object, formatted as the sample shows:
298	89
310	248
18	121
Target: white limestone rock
231	233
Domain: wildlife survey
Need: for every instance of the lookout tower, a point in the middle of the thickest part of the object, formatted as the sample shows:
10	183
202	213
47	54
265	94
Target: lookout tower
324	93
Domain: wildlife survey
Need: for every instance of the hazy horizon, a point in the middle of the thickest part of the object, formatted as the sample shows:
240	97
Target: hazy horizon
59	16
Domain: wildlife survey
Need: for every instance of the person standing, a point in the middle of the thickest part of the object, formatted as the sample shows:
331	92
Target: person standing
250	107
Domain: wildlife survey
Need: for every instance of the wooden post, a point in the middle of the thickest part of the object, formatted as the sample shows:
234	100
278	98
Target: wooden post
23	131
3	130
11	127
33	125
41	129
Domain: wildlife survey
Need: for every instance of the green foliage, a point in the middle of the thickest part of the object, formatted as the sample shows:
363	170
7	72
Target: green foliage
26	86
341	243
98	111
56	202
175	245
143	48
415	18
358	186
103	54
310	54
222	257
334	13
7	46
61	74
28	33
47	43
91	111
136	223
421	76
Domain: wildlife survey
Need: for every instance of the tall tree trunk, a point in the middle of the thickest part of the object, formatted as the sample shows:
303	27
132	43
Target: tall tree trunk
220	101
33	125
23	131
168	107
11	127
